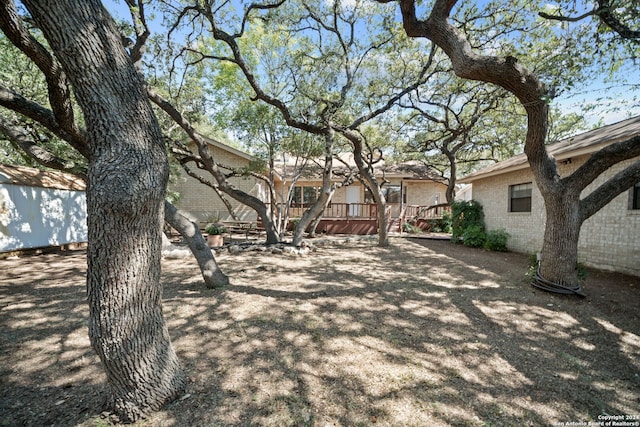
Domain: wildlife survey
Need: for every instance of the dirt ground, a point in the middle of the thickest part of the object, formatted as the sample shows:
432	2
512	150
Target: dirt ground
424	333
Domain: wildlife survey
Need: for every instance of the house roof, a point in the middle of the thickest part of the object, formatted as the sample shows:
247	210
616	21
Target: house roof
577	145
31	177
228	148
411	170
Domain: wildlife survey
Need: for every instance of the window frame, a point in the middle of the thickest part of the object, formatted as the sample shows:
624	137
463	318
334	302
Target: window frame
301	195
521	205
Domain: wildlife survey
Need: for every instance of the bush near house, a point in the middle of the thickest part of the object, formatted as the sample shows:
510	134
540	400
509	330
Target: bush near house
465	215
467	226
407	227
216	228
496	240
474	236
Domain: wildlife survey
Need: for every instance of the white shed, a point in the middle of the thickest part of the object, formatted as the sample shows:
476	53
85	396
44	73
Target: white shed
40	209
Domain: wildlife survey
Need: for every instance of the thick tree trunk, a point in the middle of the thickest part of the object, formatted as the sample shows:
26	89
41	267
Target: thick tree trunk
127	178
312	214
316	221
559	257
211	273
383	219
450	193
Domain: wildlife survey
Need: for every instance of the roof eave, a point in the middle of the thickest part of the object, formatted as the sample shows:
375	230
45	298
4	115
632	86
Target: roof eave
229	148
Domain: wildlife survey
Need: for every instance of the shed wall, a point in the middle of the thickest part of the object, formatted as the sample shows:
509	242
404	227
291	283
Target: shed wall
34	217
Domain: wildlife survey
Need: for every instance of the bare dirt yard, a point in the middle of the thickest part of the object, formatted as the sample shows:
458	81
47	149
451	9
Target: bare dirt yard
424	333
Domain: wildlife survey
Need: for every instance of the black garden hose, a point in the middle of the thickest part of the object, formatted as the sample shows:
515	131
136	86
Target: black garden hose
541	283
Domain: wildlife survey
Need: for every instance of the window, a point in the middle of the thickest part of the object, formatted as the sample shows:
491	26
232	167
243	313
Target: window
305	196
392	193
520	197
634	197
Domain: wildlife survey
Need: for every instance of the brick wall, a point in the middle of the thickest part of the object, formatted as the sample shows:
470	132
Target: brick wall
423	193
609	240
203	203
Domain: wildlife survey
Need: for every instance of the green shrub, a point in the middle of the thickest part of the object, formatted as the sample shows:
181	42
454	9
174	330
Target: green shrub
445	222
433	225
496	240
216	228
407	227
464	215
474	236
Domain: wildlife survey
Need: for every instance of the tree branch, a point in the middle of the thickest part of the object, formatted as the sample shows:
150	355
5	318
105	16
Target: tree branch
141	29
58	88
205	155
603	12
238	59
567	18
602	160
392	100
19	104
36	152
505	72
598	198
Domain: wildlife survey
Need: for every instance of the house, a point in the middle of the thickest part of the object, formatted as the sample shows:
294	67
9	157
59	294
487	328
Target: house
410	189
608	240
40	209
202	202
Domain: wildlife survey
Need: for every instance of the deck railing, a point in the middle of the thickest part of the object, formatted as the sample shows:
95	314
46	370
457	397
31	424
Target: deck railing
426	212
370	211
341	211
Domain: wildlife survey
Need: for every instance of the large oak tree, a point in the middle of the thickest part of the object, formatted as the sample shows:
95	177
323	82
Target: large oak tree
127	176
328	70
566	208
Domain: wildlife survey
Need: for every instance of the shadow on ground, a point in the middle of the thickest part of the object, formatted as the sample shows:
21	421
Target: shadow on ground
421	333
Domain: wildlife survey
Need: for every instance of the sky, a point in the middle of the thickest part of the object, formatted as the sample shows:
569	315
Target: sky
622	105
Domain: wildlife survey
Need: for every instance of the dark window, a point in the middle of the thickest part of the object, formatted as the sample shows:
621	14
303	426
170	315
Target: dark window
297	196
392	193
520	197
635	196
305	196
309	195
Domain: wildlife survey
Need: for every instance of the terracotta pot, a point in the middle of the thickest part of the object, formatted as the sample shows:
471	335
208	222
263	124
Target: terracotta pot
215	240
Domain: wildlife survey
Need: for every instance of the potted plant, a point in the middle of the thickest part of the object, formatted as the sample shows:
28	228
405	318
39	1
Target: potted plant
214	234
